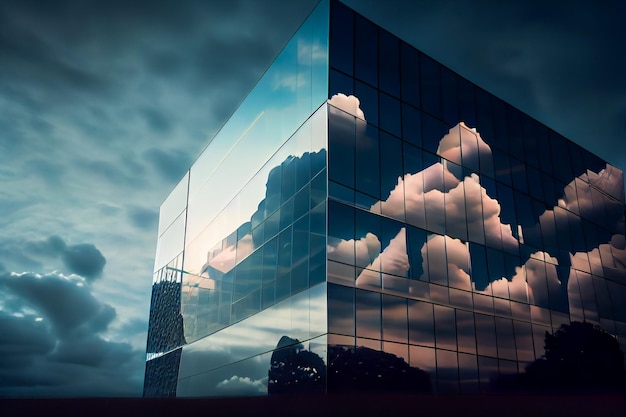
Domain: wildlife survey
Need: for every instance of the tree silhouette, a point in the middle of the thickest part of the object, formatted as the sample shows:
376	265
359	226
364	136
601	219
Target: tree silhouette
295	370
364	369
578	355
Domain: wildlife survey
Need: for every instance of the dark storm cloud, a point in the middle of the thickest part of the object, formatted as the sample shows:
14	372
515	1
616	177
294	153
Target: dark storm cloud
85	260
19	343
143	218
79	313
51	343
170	164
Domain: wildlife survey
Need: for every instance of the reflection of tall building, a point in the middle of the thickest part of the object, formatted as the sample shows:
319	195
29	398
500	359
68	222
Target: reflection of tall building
366	205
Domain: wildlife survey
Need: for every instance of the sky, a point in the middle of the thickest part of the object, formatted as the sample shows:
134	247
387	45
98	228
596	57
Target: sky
104	106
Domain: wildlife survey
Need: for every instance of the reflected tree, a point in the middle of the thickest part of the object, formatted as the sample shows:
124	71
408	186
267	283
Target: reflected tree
161	376
165	329
364	369
295	370
578	355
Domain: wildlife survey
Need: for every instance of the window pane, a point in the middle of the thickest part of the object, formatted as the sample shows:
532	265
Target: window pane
366	51
465	331
368	98
389	111
486	335
389	63
421	323
342	38
341	146
450	102
447	371
409	61
368	314
367	170
340	309
411	125
430	83
395	324
445	328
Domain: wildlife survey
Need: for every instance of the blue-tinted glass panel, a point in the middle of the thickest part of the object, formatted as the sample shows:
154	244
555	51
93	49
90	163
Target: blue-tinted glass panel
432	132
518	173
284	251
301	202
449	97
340	83
389	63
390	163
286	214
411	125
410	78
479	272
368	97
514	132
366	51
246	306
413	158
467	106
484	115
300	255
502	166
340	193
318	189
561	161
535	185
340	221
501	141
367	227
430	85
390	114
531	146
341	146
317	261
342	38
367	170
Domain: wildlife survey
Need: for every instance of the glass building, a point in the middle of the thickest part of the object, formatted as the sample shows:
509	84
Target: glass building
369	220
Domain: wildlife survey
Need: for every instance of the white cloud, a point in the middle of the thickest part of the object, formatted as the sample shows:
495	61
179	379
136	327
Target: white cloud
52	340
365	249
465	147
350	104
454	269
241	386
610	180
465	211
393	261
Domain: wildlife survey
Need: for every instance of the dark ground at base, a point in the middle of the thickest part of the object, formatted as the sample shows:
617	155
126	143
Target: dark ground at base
561	404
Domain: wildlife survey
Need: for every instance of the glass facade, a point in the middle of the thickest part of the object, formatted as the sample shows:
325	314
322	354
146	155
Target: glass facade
369	220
